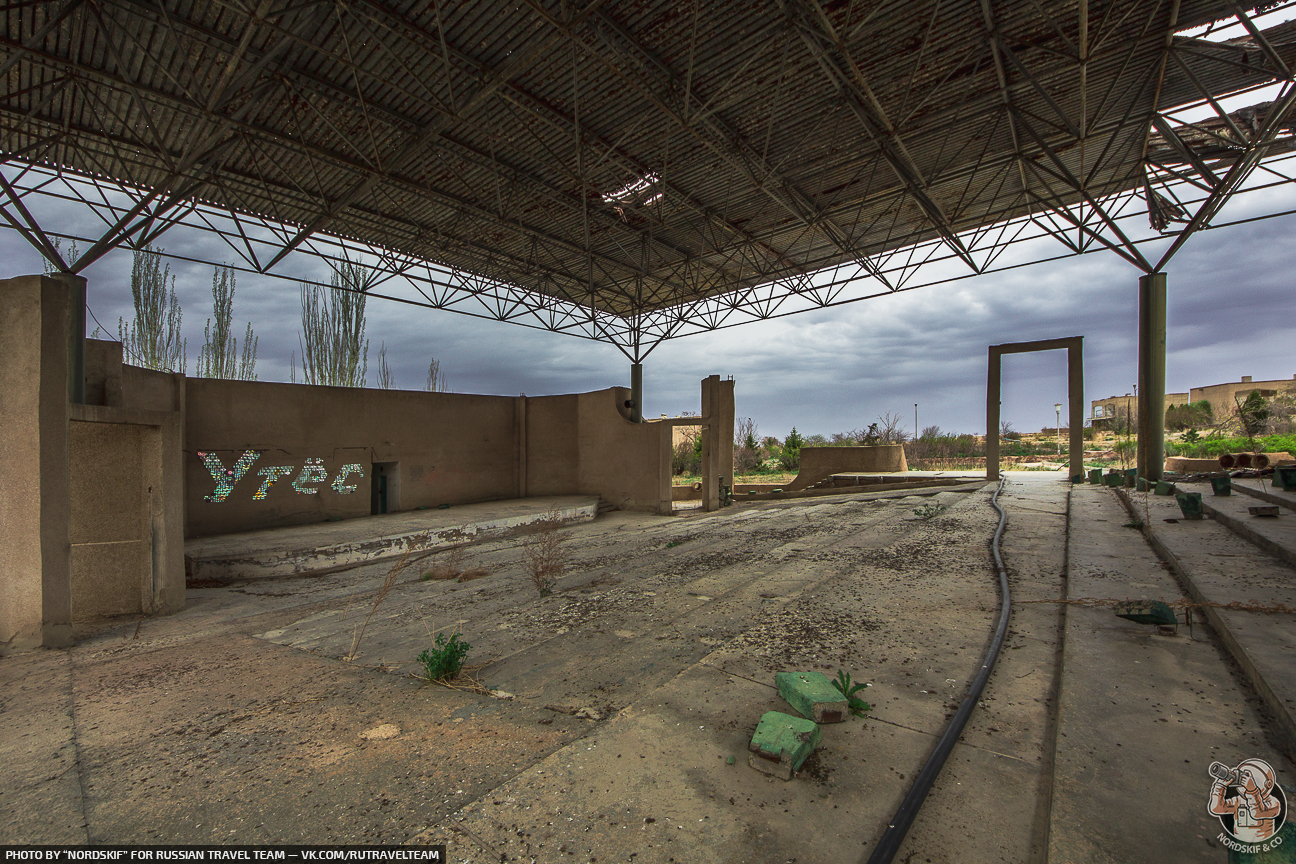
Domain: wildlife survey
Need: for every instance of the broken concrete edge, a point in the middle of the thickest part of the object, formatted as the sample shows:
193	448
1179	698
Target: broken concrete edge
345	556
781	743
813	696
1280	711
937	485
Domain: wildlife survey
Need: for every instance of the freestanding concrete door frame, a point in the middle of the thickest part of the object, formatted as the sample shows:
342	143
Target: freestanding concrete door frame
1075	399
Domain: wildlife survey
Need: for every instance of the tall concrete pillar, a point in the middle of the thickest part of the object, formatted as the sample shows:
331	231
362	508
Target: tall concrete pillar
710	443
76	288
1151	375
35	512
636	392
1075	411
725	431
992	414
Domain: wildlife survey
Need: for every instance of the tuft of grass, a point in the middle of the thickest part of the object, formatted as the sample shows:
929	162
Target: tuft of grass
1136	523
445	658
452	568
543	550
843	684
930	511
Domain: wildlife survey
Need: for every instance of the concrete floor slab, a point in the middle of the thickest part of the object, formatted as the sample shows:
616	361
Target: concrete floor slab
331	545
1142	715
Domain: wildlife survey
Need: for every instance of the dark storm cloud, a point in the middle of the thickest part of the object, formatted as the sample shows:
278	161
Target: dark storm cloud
1230	313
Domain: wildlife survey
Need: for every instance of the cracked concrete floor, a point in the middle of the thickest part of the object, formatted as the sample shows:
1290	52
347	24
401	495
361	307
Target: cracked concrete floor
239	720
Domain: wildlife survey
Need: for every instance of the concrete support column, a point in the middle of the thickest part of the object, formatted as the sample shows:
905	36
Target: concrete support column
520	433
710	444
725	430
992	414
35	513
76	287
665	474
636	392
1151	375
1075	411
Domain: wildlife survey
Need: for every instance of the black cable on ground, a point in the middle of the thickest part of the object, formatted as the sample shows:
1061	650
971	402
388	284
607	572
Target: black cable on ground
909	807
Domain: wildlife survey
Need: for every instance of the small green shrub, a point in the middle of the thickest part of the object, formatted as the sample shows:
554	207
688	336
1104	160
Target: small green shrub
843	684
930	511
445	659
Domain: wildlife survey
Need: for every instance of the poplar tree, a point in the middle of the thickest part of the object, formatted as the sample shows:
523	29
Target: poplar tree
219	357
333	347
153	341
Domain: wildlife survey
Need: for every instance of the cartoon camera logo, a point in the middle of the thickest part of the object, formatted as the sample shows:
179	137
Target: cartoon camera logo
1248	800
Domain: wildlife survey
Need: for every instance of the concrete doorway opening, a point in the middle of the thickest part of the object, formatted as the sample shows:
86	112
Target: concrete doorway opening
384	488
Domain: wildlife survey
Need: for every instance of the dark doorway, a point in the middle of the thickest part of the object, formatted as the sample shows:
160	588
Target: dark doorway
384	488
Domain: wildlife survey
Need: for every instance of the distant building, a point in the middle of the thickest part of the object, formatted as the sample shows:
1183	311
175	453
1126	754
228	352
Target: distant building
1220	396
1112	407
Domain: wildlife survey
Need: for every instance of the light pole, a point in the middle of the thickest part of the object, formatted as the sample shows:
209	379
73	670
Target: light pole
915	421
1057	408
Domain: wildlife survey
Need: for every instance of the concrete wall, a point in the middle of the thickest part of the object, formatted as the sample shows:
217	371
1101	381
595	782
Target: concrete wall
818	463
127	505
449	448
35	593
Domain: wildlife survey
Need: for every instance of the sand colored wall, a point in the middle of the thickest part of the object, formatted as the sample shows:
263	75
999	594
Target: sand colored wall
127	504
451	448
35	592
818	463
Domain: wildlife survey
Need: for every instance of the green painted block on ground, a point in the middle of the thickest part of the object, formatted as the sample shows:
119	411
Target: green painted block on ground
782	743
1146	612
813	696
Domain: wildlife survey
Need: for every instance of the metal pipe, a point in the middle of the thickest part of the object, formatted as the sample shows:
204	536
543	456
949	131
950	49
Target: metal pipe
912	803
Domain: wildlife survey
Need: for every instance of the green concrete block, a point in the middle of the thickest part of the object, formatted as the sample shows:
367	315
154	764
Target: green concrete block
1115	479
782	743
1141	484
1190	503
813	696
1164	488
1095	476
1146	612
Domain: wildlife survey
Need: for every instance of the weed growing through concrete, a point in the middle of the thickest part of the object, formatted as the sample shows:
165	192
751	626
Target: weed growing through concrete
544	553
1136	523
389	582
444	660
930	511
452	568
843	684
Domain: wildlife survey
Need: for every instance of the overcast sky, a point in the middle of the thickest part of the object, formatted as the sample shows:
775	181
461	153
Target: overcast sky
1231	313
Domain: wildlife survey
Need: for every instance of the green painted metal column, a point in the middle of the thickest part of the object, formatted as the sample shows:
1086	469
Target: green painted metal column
636	392
1151	375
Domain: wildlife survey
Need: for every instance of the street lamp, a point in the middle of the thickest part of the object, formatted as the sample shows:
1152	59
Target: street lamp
1057	408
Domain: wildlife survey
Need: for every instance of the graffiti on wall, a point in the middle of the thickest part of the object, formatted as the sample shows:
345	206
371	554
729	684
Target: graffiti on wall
306	482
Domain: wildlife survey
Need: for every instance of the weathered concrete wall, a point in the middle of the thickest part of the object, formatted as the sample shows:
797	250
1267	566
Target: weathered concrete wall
451	449
127	505
35	591
820	462
295	455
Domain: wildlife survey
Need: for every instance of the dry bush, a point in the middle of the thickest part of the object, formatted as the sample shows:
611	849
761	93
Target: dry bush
389	582
545	558
451	567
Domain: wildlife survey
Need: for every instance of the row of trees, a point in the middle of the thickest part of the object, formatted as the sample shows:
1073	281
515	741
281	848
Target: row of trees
334	349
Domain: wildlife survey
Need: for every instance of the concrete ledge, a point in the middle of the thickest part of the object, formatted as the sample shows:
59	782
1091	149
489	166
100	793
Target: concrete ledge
331	546
1281	711
1240	528
867	489
1265	495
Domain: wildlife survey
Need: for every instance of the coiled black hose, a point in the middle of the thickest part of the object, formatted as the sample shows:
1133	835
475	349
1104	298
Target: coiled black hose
909	807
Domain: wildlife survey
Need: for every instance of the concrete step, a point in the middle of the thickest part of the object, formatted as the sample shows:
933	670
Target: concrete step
1265	491
1274	534
1217	567
331	546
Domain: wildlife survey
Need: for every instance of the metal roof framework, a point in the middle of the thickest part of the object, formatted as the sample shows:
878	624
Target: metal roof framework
634	172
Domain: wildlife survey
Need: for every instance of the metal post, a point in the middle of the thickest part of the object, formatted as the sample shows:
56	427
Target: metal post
992	416
76	335
1151	375
1075	411
636	392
